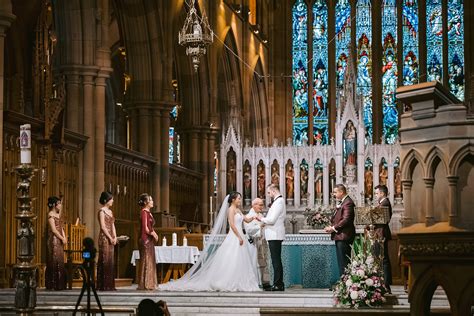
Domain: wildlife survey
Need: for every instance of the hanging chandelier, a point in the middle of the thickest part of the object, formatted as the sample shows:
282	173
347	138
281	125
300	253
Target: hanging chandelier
195	35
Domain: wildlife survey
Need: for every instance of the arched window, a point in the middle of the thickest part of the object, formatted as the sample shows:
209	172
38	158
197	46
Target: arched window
300	73
389	71
320	72
364	62
456	48
324	53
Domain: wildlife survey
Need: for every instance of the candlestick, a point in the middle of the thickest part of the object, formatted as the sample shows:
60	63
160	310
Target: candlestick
25	144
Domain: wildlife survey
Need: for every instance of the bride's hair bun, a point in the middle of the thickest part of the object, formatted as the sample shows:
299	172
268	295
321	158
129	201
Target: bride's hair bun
232	196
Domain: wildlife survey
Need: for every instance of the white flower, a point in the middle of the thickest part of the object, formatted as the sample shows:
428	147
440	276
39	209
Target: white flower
355	263
360	273
362	294
369	260
369	282
348	282
354	295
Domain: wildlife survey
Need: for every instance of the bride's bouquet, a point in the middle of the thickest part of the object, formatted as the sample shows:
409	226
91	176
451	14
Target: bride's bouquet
362	284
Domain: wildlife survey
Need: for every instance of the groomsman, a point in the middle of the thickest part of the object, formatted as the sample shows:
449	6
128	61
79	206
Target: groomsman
383	231
274	224
260	246
342	229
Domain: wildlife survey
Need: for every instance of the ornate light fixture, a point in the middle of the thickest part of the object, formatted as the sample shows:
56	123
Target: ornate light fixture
195	35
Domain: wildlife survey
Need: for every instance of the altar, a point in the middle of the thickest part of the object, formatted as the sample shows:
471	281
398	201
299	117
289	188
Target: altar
309	260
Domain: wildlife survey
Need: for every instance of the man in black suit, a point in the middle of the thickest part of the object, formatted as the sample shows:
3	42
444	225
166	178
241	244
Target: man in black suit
383	231
342	229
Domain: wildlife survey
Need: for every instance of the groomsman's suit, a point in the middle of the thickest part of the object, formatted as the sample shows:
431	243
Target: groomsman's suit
344	234
274	231
383	230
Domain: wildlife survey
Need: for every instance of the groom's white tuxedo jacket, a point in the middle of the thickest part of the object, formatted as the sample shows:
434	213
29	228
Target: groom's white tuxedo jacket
275	220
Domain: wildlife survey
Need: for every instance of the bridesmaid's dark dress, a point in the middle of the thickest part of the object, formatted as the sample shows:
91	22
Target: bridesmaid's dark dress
105	263
147	275
55	271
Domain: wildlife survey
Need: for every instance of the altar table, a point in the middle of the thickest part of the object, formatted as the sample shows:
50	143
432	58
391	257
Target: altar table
177	256
309	260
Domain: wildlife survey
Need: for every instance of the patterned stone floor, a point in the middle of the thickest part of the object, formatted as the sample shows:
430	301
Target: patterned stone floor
125	300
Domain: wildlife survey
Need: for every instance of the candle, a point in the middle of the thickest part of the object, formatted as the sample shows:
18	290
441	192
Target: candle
175	239
163	244
25	144
185	241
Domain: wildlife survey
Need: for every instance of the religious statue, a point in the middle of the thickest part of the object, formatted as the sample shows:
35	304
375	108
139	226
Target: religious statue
383	175
275	174
369	183
398	182
261	180
247	181
231	172
304	180
290	179
24	235
350	151
318	183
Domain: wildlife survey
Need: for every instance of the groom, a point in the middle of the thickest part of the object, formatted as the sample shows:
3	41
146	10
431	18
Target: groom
274	224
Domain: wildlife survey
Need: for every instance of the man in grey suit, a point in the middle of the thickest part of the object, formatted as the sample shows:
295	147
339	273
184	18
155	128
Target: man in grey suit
274	231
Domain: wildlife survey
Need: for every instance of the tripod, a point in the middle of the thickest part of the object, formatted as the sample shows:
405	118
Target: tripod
88	284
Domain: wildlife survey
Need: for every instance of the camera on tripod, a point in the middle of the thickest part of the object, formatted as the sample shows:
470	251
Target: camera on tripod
88	250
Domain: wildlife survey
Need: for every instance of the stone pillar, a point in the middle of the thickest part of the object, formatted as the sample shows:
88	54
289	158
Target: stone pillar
194	151
72	101
407	217
326	193
453	200
164	162
205	179
311	194
88	194
143	129
297	183
6	18
429	215
156	153
99	168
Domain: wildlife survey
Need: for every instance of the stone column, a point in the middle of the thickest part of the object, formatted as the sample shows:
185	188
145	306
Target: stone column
194	151
88	194
99	104
164	162
156	153
143	129
311	191
429	215
205	180
453	200
6	18
297	184
326	193
407	217
72	100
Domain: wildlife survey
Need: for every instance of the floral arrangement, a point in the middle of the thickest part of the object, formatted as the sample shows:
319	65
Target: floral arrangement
318	218
362	284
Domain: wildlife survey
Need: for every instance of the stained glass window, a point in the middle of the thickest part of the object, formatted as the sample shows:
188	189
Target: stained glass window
456	48
434	40
364	62
320	72
300	75
343	39
173	146
410	42
389	71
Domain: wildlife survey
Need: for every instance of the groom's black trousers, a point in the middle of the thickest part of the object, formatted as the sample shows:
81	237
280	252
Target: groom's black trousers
275	253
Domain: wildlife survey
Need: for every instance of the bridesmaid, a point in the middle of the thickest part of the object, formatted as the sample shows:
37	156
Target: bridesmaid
107	241
55	272
147	276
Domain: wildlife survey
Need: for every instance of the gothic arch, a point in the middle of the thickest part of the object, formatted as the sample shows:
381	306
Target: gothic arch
432	161
229	86
259	120
411	160
458	157
424	287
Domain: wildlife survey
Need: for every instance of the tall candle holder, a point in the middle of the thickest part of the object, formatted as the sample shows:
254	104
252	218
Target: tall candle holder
25	269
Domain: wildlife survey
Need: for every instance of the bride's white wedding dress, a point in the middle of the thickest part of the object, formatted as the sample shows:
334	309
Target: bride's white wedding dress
230	268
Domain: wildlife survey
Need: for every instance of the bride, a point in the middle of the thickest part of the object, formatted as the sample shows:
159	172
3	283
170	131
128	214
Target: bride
227	267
